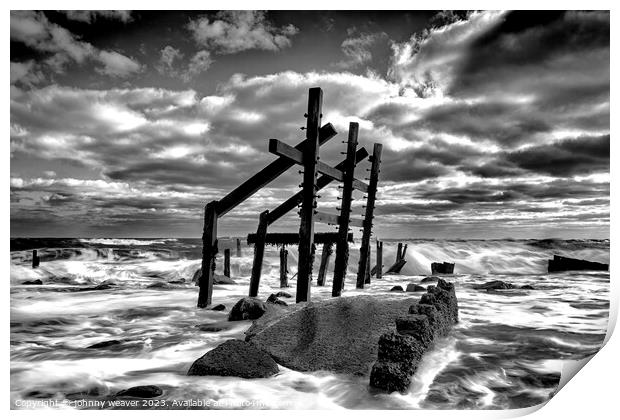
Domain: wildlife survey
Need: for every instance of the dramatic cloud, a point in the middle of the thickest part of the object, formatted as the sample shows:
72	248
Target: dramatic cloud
358	49
517	144
37	32
234	31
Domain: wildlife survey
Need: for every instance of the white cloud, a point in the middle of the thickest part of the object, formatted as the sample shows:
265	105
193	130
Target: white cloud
117	65
36	31
234	31
200	62
357	49
427	63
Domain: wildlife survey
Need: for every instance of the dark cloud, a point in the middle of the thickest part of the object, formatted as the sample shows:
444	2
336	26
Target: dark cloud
583	155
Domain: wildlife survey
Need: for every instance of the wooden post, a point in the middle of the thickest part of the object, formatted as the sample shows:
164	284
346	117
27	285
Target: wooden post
238	247
209	251
398	251
379	259
283	267
308	203
35	259
342	246
404	252
259	252
325	256
367	279
227	262
363	269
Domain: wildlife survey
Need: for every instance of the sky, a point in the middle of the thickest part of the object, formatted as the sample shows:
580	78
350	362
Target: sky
494	124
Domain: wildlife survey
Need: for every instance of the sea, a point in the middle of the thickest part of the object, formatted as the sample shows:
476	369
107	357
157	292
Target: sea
74	345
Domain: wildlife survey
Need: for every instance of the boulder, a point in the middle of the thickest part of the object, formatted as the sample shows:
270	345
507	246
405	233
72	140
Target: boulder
495	285
559	263
142	391
275	300
247	308
397	289
211	327
442	268
104	344
219	307
160	285
284	294
400	352
338	335
430	279
412	287
217	278
235	358
33	282
527	287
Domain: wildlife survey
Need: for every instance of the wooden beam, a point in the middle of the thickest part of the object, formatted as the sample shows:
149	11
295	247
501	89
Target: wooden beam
308	202
238	247
342	246
209	251
267	174
259	252
321	183
363	266
325	256
293	238
287	152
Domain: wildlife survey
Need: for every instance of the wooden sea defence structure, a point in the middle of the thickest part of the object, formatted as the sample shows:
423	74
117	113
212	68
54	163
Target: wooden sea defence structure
400	260
305	154
442	268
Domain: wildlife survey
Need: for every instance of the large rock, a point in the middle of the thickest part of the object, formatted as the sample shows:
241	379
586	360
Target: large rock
141	391
559	263
235	358
397	289
400	352
431	279
217	278
442	268
340	335
33	282
247	308
495	285
412	287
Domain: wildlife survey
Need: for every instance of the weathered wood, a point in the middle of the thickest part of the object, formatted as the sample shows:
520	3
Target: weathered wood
227	262
400	260
367	274
259	252
379	259
322	182
209	251
293	238
267	174
396	267
238	247
308	202
363	267
285	151
325	256
35	259
283	267
342	245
